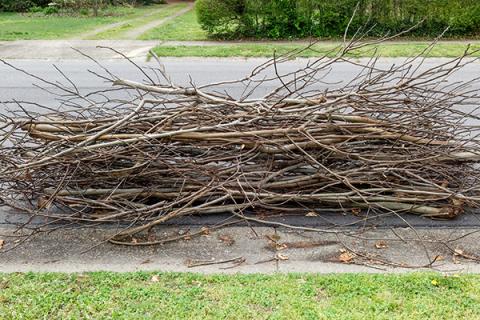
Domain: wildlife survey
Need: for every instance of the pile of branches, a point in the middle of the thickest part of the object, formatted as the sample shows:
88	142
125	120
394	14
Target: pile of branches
392	140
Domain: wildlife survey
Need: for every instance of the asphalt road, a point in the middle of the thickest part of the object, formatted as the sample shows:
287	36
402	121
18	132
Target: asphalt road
18	86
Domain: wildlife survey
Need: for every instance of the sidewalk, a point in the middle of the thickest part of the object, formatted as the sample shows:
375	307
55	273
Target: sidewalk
263	250
62	49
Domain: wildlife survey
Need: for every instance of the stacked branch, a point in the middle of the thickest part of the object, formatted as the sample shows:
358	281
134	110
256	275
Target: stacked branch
393	140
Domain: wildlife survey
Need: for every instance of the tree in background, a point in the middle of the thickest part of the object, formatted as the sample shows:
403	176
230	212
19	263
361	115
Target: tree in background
285	19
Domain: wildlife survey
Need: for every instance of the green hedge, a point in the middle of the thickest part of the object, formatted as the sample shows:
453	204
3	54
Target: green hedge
25	5
283	19
21	5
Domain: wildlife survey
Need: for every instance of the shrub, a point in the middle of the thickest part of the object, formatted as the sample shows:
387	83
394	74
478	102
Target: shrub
35	9
150	2
326	18
50	10
27	5
15	5
21	5
220	17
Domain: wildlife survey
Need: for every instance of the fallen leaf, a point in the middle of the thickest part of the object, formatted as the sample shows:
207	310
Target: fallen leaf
134	240
281	246
458	202
458	252
311	214
205	231
228	240
356	211
187	237
280	256
2	242
155	278
381	244
346	257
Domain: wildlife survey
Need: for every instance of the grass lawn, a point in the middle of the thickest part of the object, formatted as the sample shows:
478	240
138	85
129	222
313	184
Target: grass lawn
184	27
266	50
15	26
191	296
118	33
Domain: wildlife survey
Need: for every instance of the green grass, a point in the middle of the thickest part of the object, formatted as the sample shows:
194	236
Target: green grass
266	50
184	27
119	32
192	296
24	27
15	26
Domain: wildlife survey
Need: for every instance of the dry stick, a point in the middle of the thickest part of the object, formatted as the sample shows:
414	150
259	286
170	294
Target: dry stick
90	139
172	239
193	264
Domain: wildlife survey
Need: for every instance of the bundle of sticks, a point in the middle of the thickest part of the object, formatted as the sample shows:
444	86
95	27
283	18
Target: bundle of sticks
397	139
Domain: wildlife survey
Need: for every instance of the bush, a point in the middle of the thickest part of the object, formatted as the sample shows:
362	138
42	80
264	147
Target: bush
21	5
35	9
29	5
150	2
50	10
221	17
15	5
279	19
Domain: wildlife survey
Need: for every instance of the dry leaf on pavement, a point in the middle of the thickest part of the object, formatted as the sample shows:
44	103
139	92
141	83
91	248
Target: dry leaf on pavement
381	244
280	256
346	257
228	240
205	231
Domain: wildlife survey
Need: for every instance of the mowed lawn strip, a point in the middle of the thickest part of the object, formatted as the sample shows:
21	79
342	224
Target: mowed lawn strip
164	12
280	296
249	50
182	28
18	26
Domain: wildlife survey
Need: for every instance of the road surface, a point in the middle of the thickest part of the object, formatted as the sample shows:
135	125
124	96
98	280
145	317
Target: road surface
16	85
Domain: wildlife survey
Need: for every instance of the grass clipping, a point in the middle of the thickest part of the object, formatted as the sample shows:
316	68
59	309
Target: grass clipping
389	140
